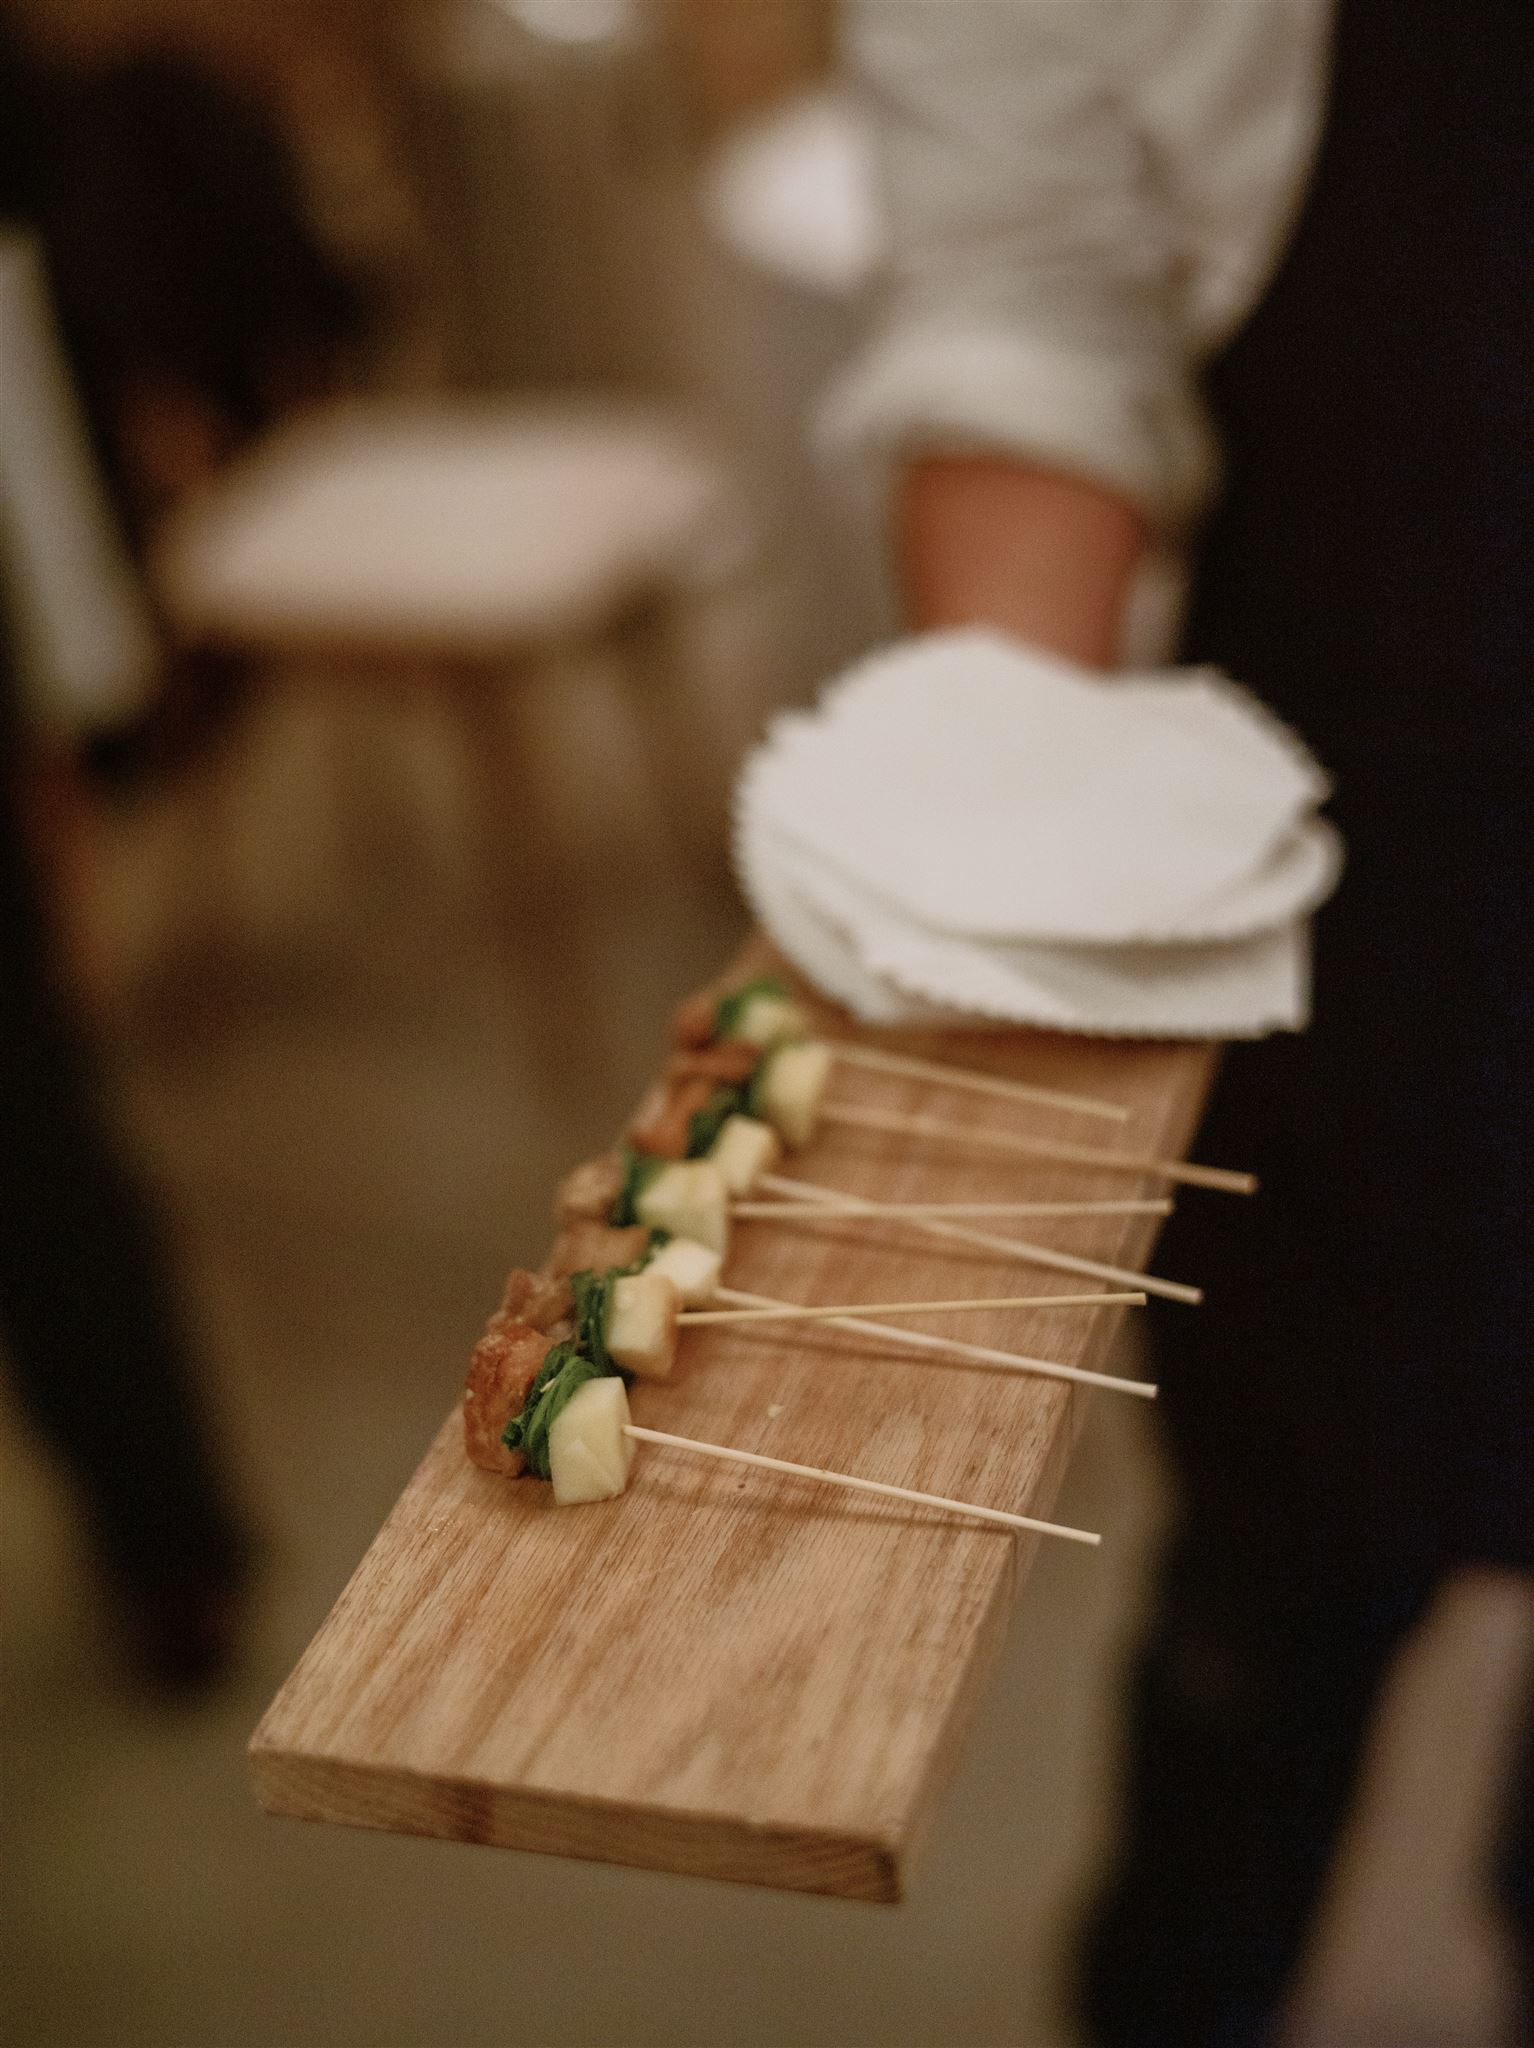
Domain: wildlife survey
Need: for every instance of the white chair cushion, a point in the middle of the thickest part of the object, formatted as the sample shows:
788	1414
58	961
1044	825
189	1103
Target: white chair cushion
473	527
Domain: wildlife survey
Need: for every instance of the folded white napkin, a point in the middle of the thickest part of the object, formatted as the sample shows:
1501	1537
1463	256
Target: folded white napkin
992	790
965	829
891	971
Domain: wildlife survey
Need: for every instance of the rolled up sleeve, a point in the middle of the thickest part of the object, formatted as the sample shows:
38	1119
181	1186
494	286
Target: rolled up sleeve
1032	300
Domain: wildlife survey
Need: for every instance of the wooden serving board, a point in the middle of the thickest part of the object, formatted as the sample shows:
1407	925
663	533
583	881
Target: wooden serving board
725	1672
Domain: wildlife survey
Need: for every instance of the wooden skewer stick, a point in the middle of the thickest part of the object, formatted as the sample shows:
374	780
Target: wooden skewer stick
795	1312
955	1347
1065	1262
808	1194
831	1202
854	1485
880	1062
1043	1148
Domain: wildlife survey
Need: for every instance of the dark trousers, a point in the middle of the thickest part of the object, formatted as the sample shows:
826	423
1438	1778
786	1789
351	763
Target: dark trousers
1252	1704
88	1325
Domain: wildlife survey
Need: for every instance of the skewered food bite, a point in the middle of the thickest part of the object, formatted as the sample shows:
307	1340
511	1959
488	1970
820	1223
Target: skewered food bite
758	1012
556	1328
744	1150
586	1245
692	1268
590	1451
573	1427
589	1192
626	1321
701	1109
789	1086
748	1082
505	1365
641	1327
684	1198
793	1098
541	1300
643	1233
761	1013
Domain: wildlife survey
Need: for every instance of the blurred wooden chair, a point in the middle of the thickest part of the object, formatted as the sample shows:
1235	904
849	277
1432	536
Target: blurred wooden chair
472	548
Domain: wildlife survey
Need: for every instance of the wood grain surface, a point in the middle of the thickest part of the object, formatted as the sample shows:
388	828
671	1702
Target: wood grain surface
724	1672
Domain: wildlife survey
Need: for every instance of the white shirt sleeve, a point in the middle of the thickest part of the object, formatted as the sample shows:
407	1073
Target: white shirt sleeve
1082	198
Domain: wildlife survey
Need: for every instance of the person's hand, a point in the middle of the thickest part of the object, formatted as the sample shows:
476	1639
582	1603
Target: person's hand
990	540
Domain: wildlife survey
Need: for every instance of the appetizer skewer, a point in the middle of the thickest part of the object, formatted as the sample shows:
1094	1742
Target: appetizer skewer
640	1257
854	1484
534	1403
554	1333
978	1354
635	1314
795	1312
1185	1171
833	1202
907	1067
593	1194
692	1198
734	1106
759	1036
762	1012
811	1201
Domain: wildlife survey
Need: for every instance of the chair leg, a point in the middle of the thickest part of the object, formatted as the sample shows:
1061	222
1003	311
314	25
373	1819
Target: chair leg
209	899
527	886
505	814
677	747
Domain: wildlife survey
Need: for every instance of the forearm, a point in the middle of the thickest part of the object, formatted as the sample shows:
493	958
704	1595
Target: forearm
993	540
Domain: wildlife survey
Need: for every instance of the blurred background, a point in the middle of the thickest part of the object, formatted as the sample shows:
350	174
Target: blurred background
408	510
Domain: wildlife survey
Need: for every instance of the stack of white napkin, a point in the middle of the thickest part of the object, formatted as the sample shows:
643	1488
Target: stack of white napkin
967	829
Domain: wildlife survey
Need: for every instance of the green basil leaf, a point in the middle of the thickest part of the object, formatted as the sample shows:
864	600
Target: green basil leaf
705	1124
593	1294
753	1089
639	1169
727	1010
562	1374
514	1435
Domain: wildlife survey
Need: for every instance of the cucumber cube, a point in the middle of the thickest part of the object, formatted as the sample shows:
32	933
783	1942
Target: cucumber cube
689	1199
589	1456
744	1150
766	1018
691	1268
641	1324
790	1085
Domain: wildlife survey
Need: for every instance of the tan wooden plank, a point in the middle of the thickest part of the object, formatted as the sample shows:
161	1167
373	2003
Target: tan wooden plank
724	1672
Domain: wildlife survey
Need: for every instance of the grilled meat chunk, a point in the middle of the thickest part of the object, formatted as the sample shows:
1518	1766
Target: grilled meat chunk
665	1114
505	1364
584	1246
591	1190
541	1300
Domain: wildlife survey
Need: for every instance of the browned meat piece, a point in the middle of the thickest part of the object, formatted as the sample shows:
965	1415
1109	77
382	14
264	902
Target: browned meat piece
726	1064
693	1023
652	1107
661	1127
503	1368
561	1331
584	1246
590	1190
539	1299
